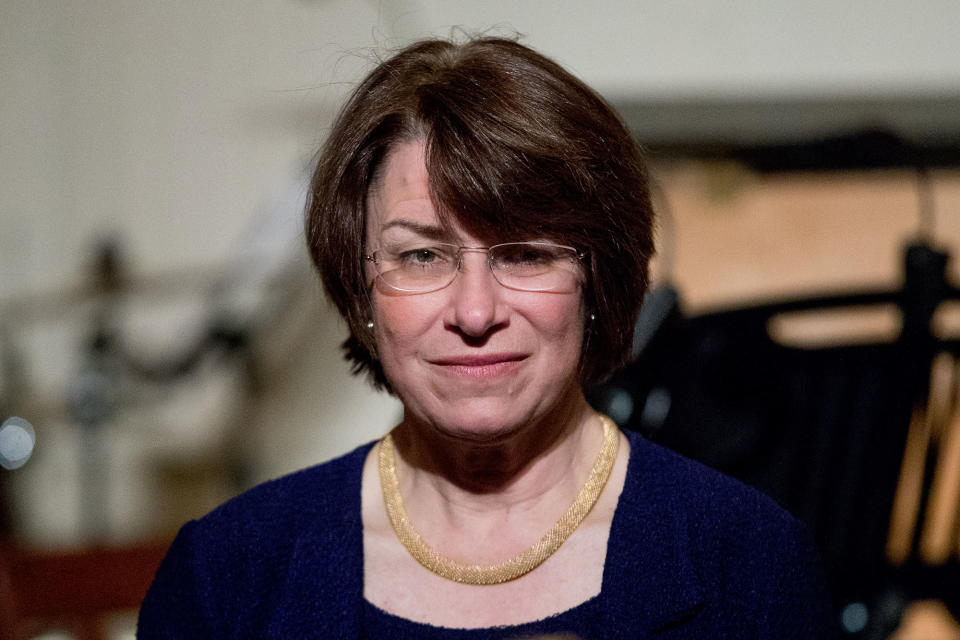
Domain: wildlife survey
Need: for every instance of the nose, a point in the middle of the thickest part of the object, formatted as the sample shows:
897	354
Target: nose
475	295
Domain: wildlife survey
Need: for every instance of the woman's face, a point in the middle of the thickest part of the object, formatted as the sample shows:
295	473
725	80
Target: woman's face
474	358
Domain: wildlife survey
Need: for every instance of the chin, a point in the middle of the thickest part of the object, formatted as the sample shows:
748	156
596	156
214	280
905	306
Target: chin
477	420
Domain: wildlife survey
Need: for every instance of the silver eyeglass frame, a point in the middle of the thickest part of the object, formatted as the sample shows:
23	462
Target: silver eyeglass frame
577	255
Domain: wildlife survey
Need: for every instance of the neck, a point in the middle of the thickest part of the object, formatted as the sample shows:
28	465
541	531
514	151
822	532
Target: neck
515	460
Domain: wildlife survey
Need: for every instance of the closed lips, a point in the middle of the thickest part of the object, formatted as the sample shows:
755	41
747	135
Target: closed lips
479	360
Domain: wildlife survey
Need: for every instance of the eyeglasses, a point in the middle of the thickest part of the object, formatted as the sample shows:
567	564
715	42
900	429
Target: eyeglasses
420	267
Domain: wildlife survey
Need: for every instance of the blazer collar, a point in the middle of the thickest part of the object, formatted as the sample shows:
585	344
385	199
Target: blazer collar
324	587
649	547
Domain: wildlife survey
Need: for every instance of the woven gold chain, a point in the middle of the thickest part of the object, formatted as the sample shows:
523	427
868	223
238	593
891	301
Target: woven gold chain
522	563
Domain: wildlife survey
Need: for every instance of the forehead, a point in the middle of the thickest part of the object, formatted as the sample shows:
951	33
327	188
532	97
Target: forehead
399	203
401	190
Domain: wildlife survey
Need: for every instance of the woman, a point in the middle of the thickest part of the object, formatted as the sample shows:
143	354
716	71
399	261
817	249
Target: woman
481	219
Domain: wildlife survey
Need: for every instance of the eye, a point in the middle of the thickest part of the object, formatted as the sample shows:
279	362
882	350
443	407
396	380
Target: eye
423	256
420	256
525	255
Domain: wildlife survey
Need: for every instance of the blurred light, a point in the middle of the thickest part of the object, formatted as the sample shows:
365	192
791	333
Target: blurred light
619	405
656	408
16	442
854	617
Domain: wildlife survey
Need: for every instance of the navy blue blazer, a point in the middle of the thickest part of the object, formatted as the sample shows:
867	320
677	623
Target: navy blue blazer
692	554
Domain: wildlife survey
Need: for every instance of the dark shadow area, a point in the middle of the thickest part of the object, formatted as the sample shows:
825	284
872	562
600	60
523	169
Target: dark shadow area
822	430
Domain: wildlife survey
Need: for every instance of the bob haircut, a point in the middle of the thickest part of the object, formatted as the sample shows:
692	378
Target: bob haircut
516	149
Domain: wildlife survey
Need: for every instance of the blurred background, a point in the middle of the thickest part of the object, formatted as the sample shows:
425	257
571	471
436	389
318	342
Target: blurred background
164	344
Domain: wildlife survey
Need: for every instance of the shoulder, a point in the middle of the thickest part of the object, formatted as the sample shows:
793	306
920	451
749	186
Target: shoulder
746	560
723	522
293	500
711	501
269	518
246	561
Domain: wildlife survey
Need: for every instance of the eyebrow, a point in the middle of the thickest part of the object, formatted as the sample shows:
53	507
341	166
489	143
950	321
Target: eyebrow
428	230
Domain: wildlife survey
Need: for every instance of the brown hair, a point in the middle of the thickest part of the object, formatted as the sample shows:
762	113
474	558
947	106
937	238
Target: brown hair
516	148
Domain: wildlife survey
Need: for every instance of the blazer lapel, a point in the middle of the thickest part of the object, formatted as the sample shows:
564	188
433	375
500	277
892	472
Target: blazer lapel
649	548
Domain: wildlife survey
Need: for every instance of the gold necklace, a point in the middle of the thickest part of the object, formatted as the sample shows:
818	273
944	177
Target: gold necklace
522	563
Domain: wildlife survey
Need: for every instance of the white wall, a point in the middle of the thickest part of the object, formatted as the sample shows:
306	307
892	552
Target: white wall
667	48
168	121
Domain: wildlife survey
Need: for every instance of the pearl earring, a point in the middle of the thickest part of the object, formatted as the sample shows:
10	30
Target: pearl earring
370	325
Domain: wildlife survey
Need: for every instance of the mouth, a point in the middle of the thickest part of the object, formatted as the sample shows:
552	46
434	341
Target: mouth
481	366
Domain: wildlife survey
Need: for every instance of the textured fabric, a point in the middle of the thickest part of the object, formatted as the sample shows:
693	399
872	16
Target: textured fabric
692	554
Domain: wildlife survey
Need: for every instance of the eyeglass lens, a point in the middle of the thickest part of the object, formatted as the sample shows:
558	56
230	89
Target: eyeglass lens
527	266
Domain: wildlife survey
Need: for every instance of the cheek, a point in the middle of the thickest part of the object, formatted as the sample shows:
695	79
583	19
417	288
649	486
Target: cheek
559	322
559	313
404	325
399	324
